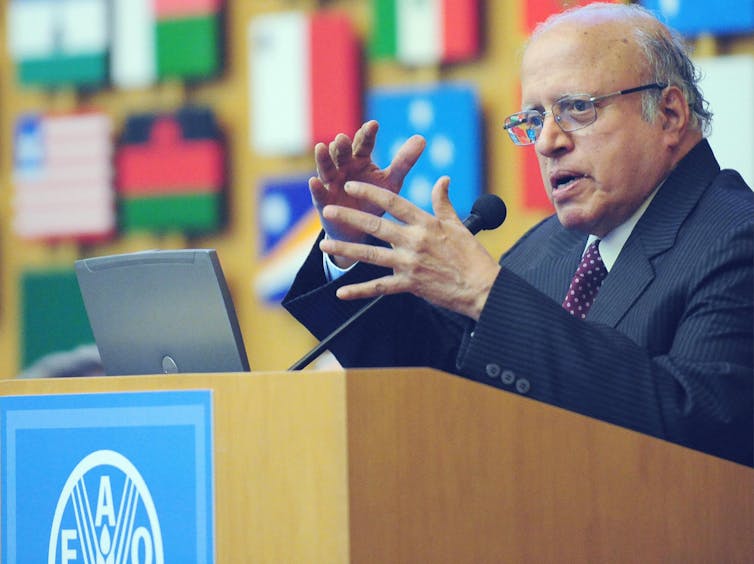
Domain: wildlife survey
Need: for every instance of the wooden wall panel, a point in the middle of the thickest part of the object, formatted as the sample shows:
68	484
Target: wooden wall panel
273	339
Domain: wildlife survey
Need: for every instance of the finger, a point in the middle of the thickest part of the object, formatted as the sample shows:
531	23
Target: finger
372	254
364	140
441	200
318	191
364	222
326	169
405	158
377	287
340	150
395	205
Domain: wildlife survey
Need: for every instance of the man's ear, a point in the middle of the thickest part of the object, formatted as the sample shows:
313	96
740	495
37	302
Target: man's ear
675	113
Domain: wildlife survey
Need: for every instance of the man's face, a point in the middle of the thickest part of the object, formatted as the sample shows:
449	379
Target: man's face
596	177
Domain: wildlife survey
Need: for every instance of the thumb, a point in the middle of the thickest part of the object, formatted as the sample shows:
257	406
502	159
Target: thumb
441	201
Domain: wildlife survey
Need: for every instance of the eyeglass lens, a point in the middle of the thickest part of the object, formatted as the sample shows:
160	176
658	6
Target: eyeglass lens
571	113
524	127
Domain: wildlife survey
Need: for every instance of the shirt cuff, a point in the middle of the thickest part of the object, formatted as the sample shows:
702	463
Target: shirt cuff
332	270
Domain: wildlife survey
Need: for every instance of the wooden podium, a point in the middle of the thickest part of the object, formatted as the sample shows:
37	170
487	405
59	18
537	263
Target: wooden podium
415	466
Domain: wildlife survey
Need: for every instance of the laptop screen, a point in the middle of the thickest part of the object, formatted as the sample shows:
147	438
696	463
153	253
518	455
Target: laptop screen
156	312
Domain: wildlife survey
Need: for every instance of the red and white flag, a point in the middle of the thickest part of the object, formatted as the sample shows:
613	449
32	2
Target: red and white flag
63	177
304	80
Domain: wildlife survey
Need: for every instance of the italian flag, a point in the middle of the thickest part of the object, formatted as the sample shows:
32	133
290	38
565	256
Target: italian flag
301	92
421	32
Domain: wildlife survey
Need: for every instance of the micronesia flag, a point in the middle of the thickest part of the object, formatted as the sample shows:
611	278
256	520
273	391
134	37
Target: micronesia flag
694	17
421	32
288	226
449	118
304	80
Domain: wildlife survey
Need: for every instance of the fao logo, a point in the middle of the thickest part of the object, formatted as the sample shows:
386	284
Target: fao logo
105	515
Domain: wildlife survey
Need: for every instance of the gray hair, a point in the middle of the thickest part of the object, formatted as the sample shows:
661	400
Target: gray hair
666	53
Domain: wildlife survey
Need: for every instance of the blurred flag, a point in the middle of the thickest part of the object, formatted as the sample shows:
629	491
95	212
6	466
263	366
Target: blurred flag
52	315
159	39
288	227
732	136
59	42
132	61
171	172
537	11
63	177
188	38
423	32
449	117
694	17
535	196
304	80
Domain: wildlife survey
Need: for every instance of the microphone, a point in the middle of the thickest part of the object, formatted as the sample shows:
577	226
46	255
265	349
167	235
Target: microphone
488	212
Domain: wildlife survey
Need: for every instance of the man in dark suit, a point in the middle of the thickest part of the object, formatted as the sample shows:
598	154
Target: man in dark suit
659	341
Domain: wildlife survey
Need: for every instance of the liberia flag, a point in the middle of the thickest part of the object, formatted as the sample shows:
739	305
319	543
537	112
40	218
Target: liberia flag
420	32
304	80
63	177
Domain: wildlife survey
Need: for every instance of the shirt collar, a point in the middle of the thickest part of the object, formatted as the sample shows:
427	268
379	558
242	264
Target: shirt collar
612	243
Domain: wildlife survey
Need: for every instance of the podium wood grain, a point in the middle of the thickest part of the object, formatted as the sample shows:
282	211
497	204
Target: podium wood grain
399	465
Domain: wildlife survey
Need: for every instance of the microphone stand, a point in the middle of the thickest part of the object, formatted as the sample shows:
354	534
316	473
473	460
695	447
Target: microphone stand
305	360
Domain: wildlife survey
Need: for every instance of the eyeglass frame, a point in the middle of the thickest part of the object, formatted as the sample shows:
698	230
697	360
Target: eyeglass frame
508	126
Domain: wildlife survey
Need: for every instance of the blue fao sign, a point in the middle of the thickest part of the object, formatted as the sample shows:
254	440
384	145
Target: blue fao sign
125	477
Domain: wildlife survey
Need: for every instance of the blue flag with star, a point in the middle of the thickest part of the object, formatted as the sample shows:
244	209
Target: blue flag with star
695	17
448	117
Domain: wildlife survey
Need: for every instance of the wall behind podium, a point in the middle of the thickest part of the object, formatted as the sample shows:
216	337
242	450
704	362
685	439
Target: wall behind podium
249	206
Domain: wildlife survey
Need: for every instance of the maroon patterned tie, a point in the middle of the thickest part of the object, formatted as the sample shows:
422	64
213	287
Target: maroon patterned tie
586	282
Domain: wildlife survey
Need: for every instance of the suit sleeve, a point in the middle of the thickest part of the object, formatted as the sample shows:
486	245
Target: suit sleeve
401	330
697	393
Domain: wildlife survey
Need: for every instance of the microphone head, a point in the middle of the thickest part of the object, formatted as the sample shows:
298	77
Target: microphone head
490	211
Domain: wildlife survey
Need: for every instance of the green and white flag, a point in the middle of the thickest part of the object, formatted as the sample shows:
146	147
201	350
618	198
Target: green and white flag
424	32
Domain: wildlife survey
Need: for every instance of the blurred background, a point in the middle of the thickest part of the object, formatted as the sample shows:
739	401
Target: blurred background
140	124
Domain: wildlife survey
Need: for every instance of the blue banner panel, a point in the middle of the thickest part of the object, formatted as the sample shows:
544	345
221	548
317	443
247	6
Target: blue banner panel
448	115
288	226
114	477
695	17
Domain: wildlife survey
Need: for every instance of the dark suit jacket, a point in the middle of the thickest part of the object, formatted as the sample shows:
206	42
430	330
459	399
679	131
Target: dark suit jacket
667	348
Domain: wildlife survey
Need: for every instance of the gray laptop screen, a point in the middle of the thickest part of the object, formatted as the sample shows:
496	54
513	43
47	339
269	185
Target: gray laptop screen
156	312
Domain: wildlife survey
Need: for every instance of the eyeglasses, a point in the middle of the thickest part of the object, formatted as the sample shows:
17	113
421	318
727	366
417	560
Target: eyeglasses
570	113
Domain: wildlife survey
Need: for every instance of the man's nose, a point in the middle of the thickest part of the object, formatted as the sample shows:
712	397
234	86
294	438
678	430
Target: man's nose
552	139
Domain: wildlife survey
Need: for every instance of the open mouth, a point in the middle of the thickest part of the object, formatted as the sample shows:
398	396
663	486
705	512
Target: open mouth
561	181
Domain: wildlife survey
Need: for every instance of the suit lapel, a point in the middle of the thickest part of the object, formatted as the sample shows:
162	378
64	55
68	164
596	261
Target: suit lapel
553	272
654	234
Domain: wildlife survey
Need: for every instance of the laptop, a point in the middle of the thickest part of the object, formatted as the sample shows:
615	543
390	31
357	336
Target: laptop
156	311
